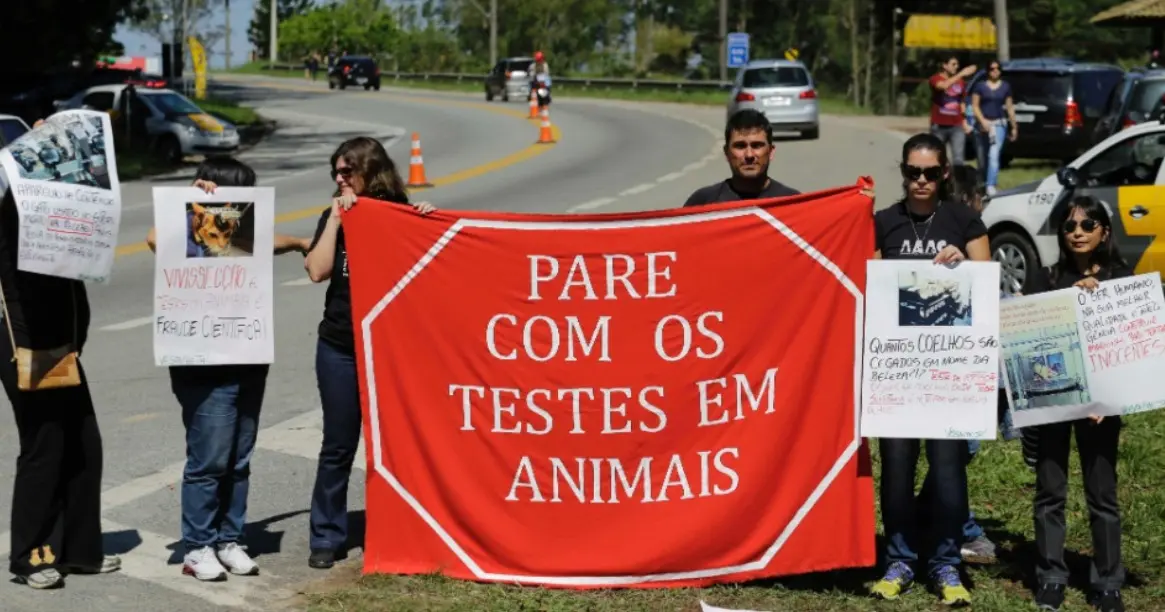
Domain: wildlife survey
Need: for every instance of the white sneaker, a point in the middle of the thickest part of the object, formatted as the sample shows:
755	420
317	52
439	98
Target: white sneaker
236	560
991	190
203	565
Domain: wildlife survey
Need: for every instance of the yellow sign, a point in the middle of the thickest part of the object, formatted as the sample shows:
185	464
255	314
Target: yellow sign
198	55
792	54
949	32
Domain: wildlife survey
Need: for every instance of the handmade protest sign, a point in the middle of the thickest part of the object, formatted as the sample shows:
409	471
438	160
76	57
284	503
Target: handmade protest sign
63	176
1073	353
213	282
931	367
595	401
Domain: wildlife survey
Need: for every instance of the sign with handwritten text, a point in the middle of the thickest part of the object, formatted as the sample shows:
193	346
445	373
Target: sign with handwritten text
213	276
1072	353
64	180
931	360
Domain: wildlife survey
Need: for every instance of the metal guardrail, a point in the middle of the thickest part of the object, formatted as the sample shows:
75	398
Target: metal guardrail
584	83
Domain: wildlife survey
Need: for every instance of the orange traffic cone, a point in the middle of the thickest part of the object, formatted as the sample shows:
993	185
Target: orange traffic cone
417	165
547	134
533	106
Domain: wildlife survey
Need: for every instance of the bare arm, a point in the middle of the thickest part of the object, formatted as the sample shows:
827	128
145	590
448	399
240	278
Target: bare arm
152	240
978	111
979	249
288	244
322	257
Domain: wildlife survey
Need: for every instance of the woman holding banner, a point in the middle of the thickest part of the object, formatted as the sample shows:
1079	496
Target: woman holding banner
926	224
56	498
1088	255
360	168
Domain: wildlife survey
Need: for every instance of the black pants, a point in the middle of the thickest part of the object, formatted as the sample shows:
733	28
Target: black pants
56	498
1097	445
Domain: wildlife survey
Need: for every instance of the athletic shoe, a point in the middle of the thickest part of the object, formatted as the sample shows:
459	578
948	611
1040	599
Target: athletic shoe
951	591
979	550
203	565
109	563
1108	601
44	579
235	559
897	581
1050	597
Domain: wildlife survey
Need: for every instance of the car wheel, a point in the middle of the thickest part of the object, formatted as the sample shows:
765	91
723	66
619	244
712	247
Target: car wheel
489	94
367	87
1017	259
505	95
331	83
170	149
376	87
812	134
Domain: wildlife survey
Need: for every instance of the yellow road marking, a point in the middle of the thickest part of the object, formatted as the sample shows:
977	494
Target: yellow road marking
530	152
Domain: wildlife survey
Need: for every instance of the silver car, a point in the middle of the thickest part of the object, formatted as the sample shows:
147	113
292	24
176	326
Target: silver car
509	79
781	89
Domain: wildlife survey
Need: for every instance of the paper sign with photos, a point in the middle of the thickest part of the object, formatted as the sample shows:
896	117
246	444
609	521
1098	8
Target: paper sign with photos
213	282
63	176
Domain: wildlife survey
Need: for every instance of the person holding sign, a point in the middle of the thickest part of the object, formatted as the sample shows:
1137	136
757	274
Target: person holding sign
748	146
220	411
361	168
56	496
1088	255
926	224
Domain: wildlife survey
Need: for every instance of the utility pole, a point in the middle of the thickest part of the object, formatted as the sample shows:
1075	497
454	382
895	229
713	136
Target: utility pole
274	51
723	40
493	33
1002	43
228	33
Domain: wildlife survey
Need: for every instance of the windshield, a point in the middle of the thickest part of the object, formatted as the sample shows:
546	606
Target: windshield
777	76
173	104
11	129
1039	87
1146	95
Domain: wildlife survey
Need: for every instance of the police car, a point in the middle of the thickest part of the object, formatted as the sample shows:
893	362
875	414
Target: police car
1123	171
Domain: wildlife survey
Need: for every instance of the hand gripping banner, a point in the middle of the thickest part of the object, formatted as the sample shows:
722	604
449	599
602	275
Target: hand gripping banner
665	398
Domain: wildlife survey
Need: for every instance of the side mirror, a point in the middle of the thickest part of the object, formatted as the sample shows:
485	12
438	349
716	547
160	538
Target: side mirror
1069	177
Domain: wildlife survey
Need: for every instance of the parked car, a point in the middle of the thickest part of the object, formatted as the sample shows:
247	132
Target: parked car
354	70
171	123
509	78
1132	102
783	90
1124	171
11	128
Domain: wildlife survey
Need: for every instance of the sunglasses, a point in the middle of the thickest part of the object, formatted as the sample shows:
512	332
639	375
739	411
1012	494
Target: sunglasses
1088	225
913	173
345	172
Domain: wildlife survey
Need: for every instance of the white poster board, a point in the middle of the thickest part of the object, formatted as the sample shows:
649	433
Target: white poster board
931	361
1069	354
63	176
213	279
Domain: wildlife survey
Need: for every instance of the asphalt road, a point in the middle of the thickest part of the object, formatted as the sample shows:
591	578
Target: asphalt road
610	157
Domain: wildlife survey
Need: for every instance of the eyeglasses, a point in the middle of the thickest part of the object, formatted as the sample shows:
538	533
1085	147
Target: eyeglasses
1088	225
913	173
345	172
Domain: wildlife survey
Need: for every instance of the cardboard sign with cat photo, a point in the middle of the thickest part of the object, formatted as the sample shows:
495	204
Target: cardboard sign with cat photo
220	229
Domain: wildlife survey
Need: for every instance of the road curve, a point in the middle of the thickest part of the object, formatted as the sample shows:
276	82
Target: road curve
610	157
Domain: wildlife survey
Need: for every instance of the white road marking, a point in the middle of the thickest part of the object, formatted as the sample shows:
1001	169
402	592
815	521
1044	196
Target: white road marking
130	324
636	189
669	177
299	282
591	205
301	437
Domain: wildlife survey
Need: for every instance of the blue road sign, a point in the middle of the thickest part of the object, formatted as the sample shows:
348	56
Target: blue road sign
737	49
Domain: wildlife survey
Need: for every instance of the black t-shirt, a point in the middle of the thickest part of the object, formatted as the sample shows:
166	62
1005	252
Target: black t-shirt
1070	276
899	234
723	192
336	326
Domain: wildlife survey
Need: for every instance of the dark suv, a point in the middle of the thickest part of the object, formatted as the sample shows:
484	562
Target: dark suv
354	70
1132	102
1058	104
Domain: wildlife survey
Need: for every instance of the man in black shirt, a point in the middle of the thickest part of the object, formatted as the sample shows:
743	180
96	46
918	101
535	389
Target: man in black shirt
748	147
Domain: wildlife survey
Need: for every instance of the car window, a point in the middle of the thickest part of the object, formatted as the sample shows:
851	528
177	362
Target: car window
776	76
99	100
11	129
518	65
1092	90
173	104
1120	94
1046	88
1146	95
1133	161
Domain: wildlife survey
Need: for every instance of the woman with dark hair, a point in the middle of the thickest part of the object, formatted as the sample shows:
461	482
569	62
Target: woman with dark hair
361	168
56	496
1088	255
220	411
994	112
927	223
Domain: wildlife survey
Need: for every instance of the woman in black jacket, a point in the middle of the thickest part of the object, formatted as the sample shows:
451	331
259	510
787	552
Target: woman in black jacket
56	499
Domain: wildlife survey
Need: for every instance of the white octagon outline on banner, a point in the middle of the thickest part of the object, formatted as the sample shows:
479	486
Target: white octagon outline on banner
478	572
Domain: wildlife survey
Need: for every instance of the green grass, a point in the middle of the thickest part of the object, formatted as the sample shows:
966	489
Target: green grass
828	104
1001	489
1025	171
241	116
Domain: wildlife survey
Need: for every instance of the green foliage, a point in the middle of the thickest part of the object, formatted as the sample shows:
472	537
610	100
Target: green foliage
259	31
360	27
46	35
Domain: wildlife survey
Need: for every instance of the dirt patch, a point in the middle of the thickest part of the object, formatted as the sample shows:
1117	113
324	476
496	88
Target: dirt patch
342	576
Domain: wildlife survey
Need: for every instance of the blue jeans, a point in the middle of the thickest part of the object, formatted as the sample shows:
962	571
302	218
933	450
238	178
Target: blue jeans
988	153
222	421
946	508
340	399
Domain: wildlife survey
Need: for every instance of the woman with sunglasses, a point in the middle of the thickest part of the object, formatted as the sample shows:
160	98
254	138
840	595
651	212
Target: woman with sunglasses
1088	255
990	98
360	168
926	224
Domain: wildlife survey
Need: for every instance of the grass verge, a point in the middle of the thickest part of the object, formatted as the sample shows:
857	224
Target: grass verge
828	104
1025	171
1001	495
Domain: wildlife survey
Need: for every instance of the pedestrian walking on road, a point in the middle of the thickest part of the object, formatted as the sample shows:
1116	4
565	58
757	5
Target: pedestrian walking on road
995	117
947	120
56	497
220	411
360	168
1088	255
926	224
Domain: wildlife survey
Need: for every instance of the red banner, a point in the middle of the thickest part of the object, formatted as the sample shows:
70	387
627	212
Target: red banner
665	398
